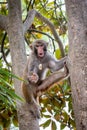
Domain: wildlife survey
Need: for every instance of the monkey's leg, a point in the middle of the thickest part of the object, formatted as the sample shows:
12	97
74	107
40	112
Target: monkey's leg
34	109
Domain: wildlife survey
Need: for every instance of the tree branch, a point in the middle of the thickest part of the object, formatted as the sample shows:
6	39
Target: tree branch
51	26
3	2
37	31
52	79
3	22
29	22
2	49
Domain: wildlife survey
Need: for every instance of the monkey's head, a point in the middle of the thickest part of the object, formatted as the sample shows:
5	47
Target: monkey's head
39	47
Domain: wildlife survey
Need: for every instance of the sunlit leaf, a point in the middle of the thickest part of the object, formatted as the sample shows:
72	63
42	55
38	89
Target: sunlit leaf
46	124
6	123
53	126
62	126
47	116
15	121
58	54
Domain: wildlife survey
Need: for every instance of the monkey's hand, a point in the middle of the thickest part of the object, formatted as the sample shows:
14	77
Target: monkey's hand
33	78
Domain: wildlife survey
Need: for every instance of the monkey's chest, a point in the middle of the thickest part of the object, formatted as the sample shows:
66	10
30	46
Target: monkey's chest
42	66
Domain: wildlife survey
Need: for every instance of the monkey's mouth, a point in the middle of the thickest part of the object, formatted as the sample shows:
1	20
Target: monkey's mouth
41	55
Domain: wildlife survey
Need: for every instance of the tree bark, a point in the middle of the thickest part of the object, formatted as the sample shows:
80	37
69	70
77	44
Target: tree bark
18	56
77	27
3	22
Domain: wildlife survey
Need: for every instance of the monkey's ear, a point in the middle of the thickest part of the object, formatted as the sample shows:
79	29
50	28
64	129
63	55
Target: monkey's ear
31	47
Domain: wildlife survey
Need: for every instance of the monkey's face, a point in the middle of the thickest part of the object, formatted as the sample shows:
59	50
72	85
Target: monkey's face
40	50
39	47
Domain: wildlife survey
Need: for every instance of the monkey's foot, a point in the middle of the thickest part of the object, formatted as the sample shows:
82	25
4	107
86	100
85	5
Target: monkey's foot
35	111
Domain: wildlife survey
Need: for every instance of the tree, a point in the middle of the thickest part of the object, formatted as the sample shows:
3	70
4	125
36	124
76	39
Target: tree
77	26
12	23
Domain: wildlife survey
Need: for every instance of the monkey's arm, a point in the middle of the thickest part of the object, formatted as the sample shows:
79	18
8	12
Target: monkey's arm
32	73
55	64
52	79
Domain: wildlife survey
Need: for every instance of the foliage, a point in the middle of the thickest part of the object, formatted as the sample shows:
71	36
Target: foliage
8	110
56	104
51	10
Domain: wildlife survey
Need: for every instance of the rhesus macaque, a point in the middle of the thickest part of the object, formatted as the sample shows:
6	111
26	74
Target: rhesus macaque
40	60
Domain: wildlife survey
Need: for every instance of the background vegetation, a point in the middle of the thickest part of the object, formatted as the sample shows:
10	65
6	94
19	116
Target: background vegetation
56	104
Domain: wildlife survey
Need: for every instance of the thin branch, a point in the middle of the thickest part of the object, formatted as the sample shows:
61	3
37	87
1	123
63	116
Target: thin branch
29	5
37	31
6	53
39	16
3	22
43	4
3	2
2	48
30	19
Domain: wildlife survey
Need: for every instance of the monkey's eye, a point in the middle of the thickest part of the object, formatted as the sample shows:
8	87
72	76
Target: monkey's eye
37	46
41	45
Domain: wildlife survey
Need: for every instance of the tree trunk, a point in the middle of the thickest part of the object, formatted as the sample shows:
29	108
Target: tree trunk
18	56
77	26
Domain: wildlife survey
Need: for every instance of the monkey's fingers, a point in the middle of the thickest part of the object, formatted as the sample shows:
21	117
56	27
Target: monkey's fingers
33	78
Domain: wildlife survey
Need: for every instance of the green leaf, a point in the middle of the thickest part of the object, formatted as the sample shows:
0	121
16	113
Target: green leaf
66	48
8	74
47	116
6	123
53	126
62	126
46	124
2	98
11	93
15	121
58	53
5	82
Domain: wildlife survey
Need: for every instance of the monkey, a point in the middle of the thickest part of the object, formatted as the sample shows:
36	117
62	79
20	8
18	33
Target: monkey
39	62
